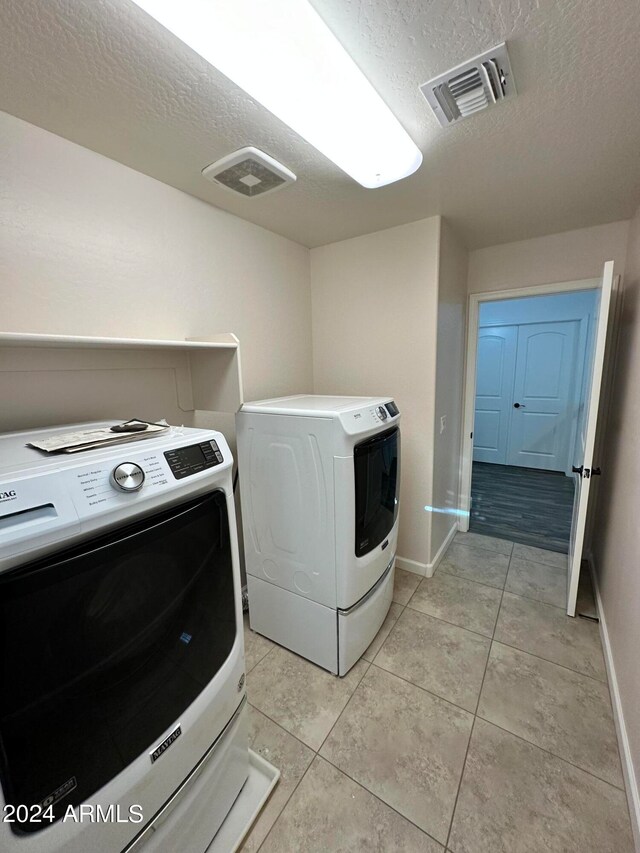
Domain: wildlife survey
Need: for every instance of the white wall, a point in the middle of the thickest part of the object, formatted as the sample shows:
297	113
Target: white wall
452	304
569	256
374	332
88	246
616	536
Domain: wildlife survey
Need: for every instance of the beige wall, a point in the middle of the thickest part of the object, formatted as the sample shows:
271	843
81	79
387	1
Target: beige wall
616	541
452	301
569	256
374	332
88	246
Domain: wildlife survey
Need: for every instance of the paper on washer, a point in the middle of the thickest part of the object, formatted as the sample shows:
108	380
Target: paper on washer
89	439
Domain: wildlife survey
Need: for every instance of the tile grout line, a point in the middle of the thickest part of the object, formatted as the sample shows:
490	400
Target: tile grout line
511	555
482	547
447	622
316	753
552	754
346	705
547	660
442	568
424	689
261	659
339	769
246	838
402	607
369	664
561	607
475	715
393	627
280	726
380	800
294	789
519	737
464	767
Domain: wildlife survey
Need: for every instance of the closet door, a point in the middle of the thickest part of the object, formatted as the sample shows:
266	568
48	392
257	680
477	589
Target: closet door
586	445
494	392
543	404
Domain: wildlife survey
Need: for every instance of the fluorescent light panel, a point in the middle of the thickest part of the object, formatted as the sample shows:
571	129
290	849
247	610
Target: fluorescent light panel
283	55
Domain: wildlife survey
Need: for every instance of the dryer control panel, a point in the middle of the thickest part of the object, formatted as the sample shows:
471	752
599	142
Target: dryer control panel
384	412
370	417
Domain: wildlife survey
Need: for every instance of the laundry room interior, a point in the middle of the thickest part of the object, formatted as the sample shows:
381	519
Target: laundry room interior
319	363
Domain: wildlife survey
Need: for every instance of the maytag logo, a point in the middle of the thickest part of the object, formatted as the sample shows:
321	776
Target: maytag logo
7	496
166	743
60	793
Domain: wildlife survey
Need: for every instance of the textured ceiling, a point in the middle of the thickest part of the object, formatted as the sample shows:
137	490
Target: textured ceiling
564	154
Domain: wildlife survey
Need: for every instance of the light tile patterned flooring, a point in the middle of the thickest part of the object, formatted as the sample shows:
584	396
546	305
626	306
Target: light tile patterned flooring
478	721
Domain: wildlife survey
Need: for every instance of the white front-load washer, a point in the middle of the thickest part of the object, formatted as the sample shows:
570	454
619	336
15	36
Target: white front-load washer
319	485
122	689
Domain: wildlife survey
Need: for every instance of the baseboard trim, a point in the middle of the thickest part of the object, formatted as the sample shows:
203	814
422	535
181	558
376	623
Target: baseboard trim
411	566
628	771
442	550
426	570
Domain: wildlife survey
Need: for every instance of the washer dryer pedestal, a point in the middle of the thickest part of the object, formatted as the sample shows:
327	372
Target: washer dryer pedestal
332	639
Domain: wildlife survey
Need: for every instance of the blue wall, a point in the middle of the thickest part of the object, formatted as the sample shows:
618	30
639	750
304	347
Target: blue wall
539	309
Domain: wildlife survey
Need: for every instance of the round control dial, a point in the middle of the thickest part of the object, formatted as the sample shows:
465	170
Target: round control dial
382	413
128	477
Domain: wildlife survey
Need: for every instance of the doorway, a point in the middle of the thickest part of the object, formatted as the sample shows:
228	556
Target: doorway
588	419
531	364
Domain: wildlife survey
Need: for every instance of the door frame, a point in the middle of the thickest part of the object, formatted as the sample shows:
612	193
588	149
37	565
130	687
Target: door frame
470	365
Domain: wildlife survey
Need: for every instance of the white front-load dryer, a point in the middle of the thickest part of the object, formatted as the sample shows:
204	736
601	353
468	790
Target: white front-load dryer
319	483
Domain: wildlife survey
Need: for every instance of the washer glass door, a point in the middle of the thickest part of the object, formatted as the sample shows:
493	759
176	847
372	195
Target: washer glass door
104	646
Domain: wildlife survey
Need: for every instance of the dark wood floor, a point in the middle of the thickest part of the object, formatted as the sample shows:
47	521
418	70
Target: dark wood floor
522	504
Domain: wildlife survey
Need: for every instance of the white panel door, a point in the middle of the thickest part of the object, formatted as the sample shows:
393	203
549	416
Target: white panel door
543	406
587	440
494	390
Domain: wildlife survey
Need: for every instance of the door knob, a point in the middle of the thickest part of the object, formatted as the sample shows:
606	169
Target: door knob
519	406
596	472
577	470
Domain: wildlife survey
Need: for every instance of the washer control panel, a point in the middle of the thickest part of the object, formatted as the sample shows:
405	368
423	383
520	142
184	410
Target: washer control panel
185	461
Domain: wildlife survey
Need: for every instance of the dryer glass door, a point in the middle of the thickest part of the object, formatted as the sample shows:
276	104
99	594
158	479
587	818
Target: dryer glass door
103	646
377	482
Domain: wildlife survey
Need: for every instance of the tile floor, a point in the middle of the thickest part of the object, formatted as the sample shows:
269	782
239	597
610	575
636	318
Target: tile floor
478	721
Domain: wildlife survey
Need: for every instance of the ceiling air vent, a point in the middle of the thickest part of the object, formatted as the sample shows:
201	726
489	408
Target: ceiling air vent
473	86
249	172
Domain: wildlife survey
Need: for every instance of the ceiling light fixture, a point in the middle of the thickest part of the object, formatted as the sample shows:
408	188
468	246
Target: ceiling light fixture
283	54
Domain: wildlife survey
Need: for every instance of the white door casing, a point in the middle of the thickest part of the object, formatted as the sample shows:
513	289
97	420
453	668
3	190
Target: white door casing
494	390
544	411
588	440
473	318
